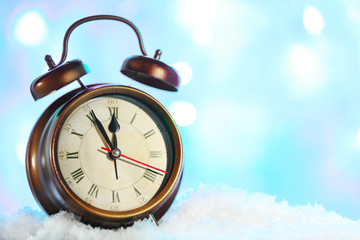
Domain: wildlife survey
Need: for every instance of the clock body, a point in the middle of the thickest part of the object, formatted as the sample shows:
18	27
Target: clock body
70	165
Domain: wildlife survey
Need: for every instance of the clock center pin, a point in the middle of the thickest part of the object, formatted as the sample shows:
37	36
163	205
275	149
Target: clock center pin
116	152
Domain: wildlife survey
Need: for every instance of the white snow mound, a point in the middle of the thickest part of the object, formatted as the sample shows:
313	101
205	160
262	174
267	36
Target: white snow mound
211	212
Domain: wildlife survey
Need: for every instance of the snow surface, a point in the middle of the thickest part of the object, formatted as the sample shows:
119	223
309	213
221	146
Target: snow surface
210	212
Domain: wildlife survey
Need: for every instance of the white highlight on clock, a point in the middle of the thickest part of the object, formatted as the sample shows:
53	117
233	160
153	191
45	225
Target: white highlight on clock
31	29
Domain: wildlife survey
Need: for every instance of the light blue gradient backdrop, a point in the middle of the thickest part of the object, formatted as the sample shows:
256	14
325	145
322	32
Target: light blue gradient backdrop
277	105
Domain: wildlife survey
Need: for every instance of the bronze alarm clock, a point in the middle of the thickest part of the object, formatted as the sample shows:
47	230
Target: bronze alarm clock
110	154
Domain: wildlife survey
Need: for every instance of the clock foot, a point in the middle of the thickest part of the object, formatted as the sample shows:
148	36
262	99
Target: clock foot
153	219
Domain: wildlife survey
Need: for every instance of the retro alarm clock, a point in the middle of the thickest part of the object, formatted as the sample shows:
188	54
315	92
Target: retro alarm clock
110	154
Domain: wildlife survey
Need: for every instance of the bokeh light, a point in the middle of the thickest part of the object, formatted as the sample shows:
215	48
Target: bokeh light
236	132
202	34
184	71
183	112
307	70
353	15
31	28
313	20
198	11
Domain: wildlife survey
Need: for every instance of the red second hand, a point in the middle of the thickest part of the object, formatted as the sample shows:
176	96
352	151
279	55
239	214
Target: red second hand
106	149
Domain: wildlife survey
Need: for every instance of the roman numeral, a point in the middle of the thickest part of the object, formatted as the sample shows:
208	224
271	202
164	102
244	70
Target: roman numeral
77	134
114	110
94	190
149	133
72	155
91	118
132	120
155	154
150	175
115	197
77	175
137	192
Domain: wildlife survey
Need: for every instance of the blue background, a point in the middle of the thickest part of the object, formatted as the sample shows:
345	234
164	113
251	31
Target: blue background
273	88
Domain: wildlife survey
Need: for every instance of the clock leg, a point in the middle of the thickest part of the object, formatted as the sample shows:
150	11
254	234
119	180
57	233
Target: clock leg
151	216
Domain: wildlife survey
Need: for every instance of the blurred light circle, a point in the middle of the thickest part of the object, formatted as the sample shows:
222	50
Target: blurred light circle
307	69
183	112
235	131
202	34
313	20
184	71
353	15
198	11
30	29
302	60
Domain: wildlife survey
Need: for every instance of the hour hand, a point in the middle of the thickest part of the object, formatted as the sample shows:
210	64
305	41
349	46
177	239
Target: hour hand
114	126
101	129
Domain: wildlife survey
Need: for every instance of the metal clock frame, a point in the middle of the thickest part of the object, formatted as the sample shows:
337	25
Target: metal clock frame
44	178
44	175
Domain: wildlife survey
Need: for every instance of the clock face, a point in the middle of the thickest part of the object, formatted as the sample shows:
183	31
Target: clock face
120	167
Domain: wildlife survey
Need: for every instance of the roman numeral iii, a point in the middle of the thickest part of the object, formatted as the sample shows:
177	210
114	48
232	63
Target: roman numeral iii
155	154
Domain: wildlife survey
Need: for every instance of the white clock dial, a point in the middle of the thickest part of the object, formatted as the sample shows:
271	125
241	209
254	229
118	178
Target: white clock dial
90	172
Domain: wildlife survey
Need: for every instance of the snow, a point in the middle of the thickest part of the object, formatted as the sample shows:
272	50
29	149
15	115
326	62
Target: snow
210	212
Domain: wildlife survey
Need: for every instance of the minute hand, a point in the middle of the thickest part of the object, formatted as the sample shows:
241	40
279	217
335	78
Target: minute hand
101	129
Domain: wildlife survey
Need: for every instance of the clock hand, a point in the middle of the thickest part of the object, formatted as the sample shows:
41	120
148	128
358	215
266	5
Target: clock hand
101	128
114	126
129	158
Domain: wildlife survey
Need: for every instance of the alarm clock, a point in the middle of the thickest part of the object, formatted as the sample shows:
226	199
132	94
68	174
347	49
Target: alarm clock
110	154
